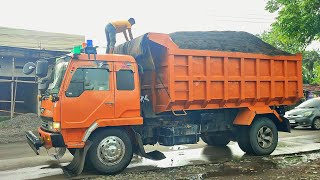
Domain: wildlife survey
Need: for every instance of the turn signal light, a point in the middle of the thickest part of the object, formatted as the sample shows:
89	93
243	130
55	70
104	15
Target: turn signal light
56	126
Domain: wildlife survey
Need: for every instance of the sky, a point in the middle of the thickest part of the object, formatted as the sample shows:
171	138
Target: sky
89	17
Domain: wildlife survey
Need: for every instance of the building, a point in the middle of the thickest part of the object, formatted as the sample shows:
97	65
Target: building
18	92
311	91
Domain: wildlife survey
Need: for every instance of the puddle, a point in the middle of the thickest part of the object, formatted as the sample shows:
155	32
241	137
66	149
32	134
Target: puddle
295	159
30	173
52	165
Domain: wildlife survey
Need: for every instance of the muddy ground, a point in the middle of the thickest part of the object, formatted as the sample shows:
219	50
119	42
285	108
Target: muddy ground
192	161
296	166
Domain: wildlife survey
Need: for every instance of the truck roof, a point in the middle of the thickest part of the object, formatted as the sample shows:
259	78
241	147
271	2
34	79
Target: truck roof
107	57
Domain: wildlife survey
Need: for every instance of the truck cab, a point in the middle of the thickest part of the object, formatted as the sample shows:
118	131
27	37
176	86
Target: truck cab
84	93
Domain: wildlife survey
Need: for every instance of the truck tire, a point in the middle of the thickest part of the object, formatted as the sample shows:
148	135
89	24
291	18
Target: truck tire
316	124
263	136
243	139
215	140
111	150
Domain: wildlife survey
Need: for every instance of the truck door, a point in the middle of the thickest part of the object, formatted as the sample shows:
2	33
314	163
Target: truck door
88	97
127	92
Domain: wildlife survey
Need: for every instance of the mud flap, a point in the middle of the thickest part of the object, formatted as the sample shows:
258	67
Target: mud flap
154	155
76	166
284	125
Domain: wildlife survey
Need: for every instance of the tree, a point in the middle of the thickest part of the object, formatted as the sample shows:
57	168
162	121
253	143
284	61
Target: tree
298	21
311	59
311	67
287	45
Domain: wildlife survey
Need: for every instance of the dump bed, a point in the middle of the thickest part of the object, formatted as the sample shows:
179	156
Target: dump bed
192	79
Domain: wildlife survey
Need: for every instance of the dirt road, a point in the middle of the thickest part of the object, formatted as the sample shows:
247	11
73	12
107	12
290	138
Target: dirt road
18	161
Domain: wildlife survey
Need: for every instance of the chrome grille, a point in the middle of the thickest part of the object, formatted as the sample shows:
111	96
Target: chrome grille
44	124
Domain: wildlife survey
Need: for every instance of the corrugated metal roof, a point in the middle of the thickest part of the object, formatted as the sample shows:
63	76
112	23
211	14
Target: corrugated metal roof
311	87
35	39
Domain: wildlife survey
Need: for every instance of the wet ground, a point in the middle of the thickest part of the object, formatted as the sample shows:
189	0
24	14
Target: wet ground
17	161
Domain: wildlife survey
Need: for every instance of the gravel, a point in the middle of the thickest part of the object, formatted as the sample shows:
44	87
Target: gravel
232	41
14	130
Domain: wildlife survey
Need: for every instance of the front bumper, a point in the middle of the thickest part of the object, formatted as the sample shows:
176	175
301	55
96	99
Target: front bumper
34	142
300	121
46	139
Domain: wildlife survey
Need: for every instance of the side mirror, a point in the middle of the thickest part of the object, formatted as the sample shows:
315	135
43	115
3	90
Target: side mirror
29	68
42	68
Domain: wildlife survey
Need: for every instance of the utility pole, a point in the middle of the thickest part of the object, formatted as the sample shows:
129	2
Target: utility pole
12	89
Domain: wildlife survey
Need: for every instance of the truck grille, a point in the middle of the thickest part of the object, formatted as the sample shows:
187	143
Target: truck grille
45	125
44	122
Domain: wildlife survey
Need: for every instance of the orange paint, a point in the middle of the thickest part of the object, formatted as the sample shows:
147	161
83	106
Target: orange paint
108	107
45	137
204	79
190	80
246	115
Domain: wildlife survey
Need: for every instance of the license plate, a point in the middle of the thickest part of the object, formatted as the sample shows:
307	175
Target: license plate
292	121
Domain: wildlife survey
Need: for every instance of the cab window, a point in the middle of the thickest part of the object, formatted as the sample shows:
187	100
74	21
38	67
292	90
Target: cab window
88	79
125	80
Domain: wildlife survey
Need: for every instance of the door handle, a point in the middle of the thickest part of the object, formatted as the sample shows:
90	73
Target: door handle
110	103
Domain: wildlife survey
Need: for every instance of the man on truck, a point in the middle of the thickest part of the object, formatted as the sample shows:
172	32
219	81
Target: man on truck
115	27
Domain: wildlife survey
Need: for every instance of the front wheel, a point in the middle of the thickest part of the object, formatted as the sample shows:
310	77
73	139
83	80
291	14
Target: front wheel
111	151
316	124
263	136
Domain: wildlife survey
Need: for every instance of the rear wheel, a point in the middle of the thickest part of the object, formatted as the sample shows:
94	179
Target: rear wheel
111	151
215	140
316	124
263	136
243	139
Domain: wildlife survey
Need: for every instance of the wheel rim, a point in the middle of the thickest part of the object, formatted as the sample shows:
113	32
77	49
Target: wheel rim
111	150
317	123
265	137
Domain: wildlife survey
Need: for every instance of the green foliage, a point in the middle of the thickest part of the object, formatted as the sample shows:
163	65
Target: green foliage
311	59
298	21
316	73
311	67
287	45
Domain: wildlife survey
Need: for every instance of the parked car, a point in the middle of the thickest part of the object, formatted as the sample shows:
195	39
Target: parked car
306	114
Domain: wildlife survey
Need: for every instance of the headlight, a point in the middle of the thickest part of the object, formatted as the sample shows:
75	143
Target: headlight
54	126
308	113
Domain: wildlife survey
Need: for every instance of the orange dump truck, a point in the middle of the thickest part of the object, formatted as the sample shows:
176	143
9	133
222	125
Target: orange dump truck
104	108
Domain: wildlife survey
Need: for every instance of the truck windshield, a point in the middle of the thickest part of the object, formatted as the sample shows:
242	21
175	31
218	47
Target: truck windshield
56	77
